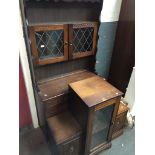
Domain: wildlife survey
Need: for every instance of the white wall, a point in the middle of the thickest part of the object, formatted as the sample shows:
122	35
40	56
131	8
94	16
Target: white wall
130	93
27	75
111	10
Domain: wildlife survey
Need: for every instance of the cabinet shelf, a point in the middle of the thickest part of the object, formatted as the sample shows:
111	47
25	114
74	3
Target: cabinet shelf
58	23
68	12
61	129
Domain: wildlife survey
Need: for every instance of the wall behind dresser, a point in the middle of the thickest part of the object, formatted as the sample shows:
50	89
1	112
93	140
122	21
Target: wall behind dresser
109	19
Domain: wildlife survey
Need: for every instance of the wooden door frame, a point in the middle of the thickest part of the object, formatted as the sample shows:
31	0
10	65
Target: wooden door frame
38	28
82	25
115	102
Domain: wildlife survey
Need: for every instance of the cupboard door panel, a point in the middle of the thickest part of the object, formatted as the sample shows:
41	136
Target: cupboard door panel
82	39
73	147
119	122
49	43
101	125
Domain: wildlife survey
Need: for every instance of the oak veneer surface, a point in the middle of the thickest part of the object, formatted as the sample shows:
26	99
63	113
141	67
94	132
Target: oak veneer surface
122	108
63	126
120	120
95	90
62	12
59	85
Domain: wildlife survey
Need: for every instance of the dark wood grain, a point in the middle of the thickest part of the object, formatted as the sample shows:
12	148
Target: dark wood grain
72	147
68	12
117	134
59	85
101	148
80	54
94	90
66	126
123	58
56	105
78	109
61	68
122	108
120	120
70	41
34	52
45	28
113	118
89	130
96	94
63	127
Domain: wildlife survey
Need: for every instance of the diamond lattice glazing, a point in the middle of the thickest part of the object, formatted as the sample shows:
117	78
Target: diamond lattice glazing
82	40
50	43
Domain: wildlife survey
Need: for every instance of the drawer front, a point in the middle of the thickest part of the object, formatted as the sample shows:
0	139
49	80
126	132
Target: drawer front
119	122
56	105
72	147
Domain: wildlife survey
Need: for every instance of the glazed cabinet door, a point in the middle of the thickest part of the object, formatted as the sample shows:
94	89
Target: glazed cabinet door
101	125
49	43
82	39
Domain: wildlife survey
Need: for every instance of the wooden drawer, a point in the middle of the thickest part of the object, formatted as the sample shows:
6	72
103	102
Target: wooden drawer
56	105
72	147
119	122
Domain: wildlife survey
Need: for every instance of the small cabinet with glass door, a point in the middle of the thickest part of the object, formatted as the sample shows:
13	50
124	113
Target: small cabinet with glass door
57	43
97	101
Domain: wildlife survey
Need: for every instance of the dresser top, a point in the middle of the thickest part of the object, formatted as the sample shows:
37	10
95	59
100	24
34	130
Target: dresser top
94	90
59	85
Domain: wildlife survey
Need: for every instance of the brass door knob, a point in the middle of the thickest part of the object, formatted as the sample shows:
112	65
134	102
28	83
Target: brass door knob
66	43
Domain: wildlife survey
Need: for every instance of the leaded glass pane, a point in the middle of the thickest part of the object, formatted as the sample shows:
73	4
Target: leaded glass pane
82	39
101	124
50	43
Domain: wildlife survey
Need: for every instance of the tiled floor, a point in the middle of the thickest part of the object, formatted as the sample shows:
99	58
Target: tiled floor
32	142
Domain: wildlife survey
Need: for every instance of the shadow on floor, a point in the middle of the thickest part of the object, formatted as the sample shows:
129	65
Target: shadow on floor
33	142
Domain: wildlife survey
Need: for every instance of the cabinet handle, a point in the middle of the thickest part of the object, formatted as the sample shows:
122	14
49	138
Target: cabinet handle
70	44
66	43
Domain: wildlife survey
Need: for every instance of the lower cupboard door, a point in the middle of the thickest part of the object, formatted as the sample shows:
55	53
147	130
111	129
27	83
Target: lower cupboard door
71	148
101	125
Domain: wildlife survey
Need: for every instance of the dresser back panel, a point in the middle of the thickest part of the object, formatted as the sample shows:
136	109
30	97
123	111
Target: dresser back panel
51	70
62	12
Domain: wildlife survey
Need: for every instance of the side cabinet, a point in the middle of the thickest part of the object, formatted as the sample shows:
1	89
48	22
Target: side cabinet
100	126
57	43
99	100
